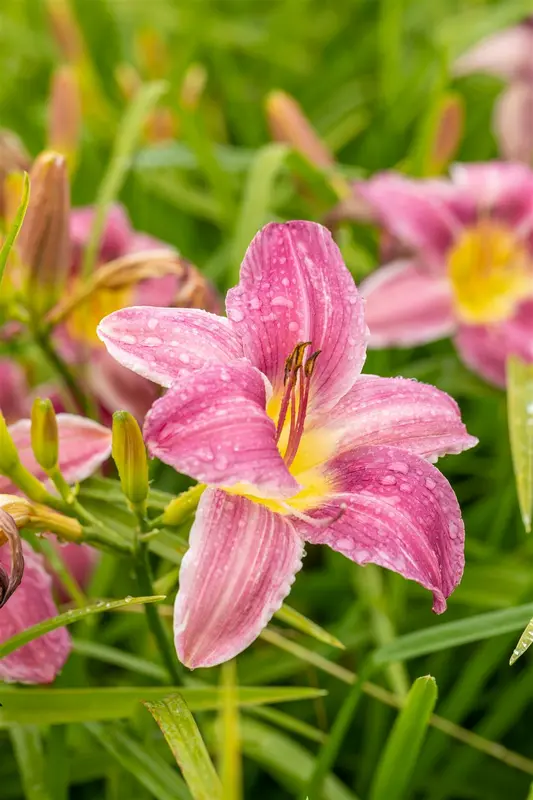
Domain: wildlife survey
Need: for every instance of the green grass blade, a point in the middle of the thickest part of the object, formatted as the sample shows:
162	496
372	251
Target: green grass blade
97	20
185	740
229	753
520	413
286	760
28	747
13	232
256	205
68	618
398	761
330	749
146	765
524	643
60	706
119	658
452	634
296	620
119	164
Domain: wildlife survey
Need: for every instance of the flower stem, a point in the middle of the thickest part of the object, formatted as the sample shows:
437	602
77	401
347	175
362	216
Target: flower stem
144	581
80	399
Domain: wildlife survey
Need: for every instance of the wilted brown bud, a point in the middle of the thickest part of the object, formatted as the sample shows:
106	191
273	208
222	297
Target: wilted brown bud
44	240
37	517
447	133
13	158
64	114
8	583
192	289
289	124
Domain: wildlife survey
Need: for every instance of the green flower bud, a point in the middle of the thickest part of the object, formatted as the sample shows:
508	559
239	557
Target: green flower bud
129	454
9	458
44	436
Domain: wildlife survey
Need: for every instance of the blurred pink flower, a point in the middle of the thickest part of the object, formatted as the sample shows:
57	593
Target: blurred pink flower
471	270
269	408
13	390
83	446
508	55
112	385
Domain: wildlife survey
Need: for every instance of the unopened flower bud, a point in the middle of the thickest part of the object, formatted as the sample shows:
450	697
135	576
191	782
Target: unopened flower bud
179	509
447	134
129	454
64	114
44	435
13	158
289	124
44	240
9	458
38	517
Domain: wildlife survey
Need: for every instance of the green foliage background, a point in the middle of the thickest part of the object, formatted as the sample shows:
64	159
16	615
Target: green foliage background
368	73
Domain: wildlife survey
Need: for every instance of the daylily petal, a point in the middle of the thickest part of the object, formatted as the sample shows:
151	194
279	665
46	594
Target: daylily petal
13	390
506	54
485	349
426	215
501	188
398	511
294	287
162	344
399	412
40	660
214	427
407	306
83	446
513	122
239	568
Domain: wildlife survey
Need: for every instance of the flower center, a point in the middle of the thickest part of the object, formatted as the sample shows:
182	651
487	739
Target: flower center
85	318
490	272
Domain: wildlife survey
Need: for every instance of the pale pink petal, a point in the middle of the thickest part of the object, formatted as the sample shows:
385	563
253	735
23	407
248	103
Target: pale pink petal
499	188
213	426
14	402
140	242
294	287
485	349
239	568
425	215
406	306
162	344
513	122
507	54
399	412
398	511
119	389
80	560
83	446
41	660
115	240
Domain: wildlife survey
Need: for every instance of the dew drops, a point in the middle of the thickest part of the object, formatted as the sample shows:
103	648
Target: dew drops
388	480
152	341
399	466
293	326
127	338
453	530
185	358
430	483
153	323
236	315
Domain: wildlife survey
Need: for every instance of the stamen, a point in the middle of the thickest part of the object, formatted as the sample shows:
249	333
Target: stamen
325	522
297	380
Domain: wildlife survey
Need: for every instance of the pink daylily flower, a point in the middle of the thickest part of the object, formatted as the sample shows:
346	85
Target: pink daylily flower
470	274
508	54
83	446
113	386
269	408
41	660
13	392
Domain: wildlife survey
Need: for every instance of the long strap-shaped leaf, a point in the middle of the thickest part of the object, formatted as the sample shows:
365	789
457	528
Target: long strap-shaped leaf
520	414
13	232
185	740
399	758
